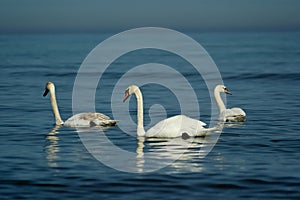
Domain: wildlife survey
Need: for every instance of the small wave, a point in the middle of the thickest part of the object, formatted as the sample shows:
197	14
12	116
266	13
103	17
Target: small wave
268	76
227	186
71	74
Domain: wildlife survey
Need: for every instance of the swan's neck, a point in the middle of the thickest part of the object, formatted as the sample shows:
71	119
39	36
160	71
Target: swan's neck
57	117
140	113
219	101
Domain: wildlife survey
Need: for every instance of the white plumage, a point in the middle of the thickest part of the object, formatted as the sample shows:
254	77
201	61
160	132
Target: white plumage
176	126
228	115
79	120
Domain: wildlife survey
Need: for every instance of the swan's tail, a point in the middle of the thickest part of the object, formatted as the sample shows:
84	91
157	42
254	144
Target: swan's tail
109	122
206	131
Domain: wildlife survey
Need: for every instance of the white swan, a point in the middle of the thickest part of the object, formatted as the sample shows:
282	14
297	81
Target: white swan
176	126
228	115
89	119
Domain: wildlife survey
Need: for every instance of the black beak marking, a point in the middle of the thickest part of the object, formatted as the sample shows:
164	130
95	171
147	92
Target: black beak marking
46	92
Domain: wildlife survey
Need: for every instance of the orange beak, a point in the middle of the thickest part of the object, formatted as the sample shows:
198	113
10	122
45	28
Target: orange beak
126	96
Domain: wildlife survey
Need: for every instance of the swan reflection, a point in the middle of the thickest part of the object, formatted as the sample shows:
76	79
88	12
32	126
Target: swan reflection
138	155
183	155
140	161
52	147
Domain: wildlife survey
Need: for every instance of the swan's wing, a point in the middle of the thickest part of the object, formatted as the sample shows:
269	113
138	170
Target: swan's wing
233	112
109	122
189	120
104	120
175	127
233	115
89	120
93	116
77	121
238	111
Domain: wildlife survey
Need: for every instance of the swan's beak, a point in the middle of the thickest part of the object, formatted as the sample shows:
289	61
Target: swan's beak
46	92
227	92
126	96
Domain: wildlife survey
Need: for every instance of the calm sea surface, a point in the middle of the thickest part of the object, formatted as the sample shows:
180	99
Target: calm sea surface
258	159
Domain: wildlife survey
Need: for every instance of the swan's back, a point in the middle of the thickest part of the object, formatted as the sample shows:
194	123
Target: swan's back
89	120
233	115
238	111
175	127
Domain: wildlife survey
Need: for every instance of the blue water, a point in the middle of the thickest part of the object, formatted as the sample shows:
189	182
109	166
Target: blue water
258	159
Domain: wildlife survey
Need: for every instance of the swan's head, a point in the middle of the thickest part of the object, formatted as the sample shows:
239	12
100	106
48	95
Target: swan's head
49	87
130	91
222	88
